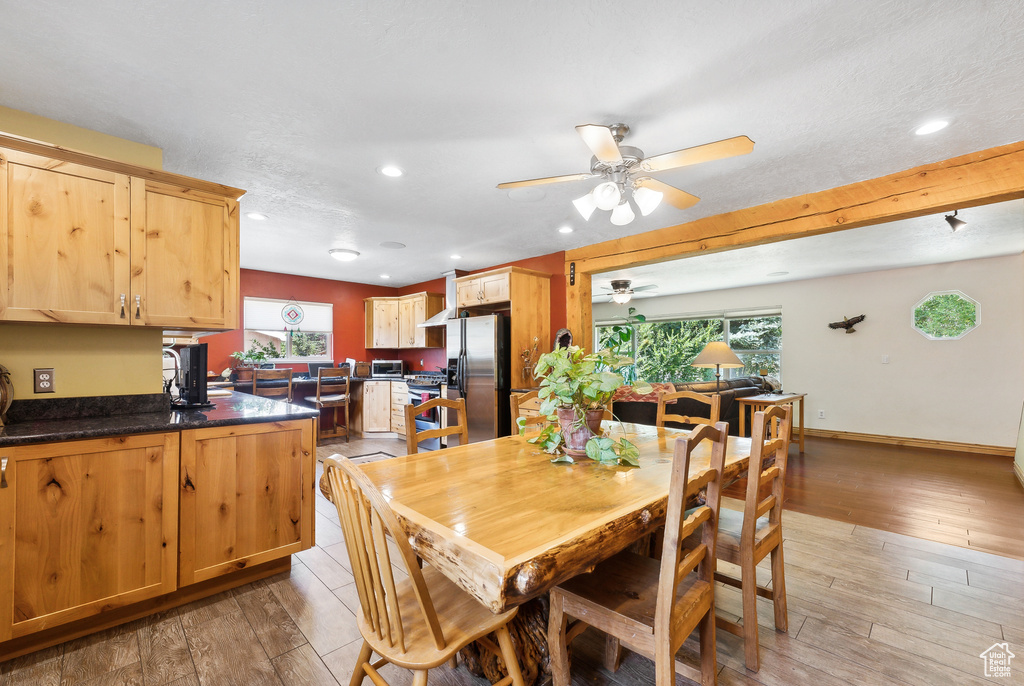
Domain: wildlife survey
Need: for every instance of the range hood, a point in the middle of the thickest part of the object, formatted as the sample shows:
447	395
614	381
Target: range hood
450	310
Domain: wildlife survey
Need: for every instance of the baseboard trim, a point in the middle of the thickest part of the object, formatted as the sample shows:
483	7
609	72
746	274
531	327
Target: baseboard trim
1019	473
998	450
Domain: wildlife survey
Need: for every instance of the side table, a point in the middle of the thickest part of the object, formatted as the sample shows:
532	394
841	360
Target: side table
756	403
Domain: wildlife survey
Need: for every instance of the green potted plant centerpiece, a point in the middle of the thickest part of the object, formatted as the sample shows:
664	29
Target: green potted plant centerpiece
247	360
574	391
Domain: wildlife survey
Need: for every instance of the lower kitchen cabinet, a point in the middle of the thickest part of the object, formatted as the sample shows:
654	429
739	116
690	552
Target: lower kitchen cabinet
85	527
246	496
376	406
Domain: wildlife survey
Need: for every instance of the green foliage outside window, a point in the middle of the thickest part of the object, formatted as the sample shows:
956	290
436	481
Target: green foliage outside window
946	315
663	350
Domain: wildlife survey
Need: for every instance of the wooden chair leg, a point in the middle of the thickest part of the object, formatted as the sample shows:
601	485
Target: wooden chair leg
348	429
454	662
612	653
508	653
779	590
748	591
359	673
556	641
419	677
708	651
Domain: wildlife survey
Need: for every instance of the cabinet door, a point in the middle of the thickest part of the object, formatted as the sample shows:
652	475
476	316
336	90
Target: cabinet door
64	241
467	293
184	257
407	323
385	323
87	526
376	406
246	496
494	289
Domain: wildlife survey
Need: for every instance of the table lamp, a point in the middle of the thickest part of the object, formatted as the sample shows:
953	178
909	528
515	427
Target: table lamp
717	354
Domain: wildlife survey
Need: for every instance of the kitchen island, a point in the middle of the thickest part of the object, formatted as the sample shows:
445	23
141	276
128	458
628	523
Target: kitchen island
118	507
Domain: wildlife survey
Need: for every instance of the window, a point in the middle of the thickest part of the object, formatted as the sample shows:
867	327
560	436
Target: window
945	315
289	331
664	349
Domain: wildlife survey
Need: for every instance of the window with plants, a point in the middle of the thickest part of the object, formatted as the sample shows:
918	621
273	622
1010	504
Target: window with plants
288	330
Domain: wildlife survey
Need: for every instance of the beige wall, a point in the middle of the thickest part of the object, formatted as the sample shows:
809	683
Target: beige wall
970	390
86	360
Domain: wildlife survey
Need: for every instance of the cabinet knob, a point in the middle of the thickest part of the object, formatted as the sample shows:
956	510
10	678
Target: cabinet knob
3	472
122	305
138	304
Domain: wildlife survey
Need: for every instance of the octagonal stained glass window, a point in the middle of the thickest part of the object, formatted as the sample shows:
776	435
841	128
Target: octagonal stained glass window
945	315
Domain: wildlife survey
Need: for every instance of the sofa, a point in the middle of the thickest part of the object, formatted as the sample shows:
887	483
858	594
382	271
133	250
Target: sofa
630	406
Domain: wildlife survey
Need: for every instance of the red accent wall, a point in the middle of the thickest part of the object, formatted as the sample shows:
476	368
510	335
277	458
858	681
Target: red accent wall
349	315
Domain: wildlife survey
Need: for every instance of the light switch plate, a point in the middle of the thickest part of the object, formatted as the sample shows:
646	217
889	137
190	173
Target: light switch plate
43	380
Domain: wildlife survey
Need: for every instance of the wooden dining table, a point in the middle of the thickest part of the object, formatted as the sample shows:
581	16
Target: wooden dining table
505	524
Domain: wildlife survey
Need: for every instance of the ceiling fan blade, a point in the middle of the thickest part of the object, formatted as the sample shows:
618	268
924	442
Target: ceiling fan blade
637	289
546	179
730	147
673	195
601	142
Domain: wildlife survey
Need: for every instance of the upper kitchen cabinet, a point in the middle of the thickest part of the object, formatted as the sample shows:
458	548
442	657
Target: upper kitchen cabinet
394	323
184	243
86	240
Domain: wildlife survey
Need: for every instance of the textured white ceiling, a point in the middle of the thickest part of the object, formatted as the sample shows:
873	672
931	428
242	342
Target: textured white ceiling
300	102
991	230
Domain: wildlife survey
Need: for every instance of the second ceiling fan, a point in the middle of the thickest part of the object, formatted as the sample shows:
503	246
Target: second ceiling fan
624	170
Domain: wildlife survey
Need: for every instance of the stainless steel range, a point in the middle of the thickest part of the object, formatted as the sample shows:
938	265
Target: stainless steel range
423	387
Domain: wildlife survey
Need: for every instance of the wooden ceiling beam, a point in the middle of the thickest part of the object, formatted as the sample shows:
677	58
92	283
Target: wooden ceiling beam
980	178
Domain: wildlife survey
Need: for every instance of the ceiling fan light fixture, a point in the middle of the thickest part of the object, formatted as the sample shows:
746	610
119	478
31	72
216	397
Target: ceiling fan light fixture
606	195
585	206
343	254
623	213
646	199
954	223
622	298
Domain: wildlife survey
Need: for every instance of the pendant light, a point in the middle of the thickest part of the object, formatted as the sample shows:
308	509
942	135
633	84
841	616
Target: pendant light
647	199
623	213
585	206
607	195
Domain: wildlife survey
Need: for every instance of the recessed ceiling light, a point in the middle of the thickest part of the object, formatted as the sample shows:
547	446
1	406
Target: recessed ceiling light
455	257
390	170
931	127
392	245
343	254
778	273
258	216
385	276
565	229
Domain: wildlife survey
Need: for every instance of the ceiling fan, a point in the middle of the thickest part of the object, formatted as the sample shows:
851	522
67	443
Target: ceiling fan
621	292
623	170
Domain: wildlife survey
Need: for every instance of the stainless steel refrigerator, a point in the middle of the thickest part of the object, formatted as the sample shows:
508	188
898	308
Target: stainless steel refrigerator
479	369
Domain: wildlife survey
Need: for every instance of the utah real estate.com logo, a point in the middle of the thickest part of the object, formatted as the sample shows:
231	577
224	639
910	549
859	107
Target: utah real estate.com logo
997	660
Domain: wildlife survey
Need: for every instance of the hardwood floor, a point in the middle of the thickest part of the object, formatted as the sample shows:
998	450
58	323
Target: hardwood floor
866	605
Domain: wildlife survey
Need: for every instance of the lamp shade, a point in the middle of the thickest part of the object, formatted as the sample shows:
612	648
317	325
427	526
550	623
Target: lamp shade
622	298
585	205
622	214
717	354
646	199
606	195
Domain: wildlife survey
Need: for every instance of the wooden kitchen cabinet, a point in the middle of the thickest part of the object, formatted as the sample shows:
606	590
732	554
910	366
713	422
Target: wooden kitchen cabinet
381	322
376	406
395	322
399	399
489	288
246	496
87	240
87	526
182	241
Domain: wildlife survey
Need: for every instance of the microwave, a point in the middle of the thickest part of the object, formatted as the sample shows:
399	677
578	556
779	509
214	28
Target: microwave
387	369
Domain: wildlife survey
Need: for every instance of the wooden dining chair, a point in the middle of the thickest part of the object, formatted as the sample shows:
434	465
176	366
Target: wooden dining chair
713	401
652	605
334	394
526	406
745	538
419	622
272	375
460	427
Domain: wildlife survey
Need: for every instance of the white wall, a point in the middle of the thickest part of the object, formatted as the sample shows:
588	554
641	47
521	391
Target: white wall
969	390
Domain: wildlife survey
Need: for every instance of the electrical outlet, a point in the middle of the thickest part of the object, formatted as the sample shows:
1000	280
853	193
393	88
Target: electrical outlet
821	414
885	359
43	380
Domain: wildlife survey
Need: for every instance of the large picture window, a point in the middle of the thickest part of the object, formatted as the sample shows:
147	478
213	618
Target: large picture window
664	349
289	331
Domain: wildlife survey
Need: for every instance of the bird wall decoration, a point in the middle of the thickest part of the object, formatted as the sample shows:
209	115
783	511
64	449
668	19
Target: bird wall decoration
847	324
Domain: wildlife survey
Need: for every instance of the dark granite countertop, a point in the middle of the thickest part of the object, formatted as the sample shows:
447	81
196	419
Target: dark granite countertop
137	417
